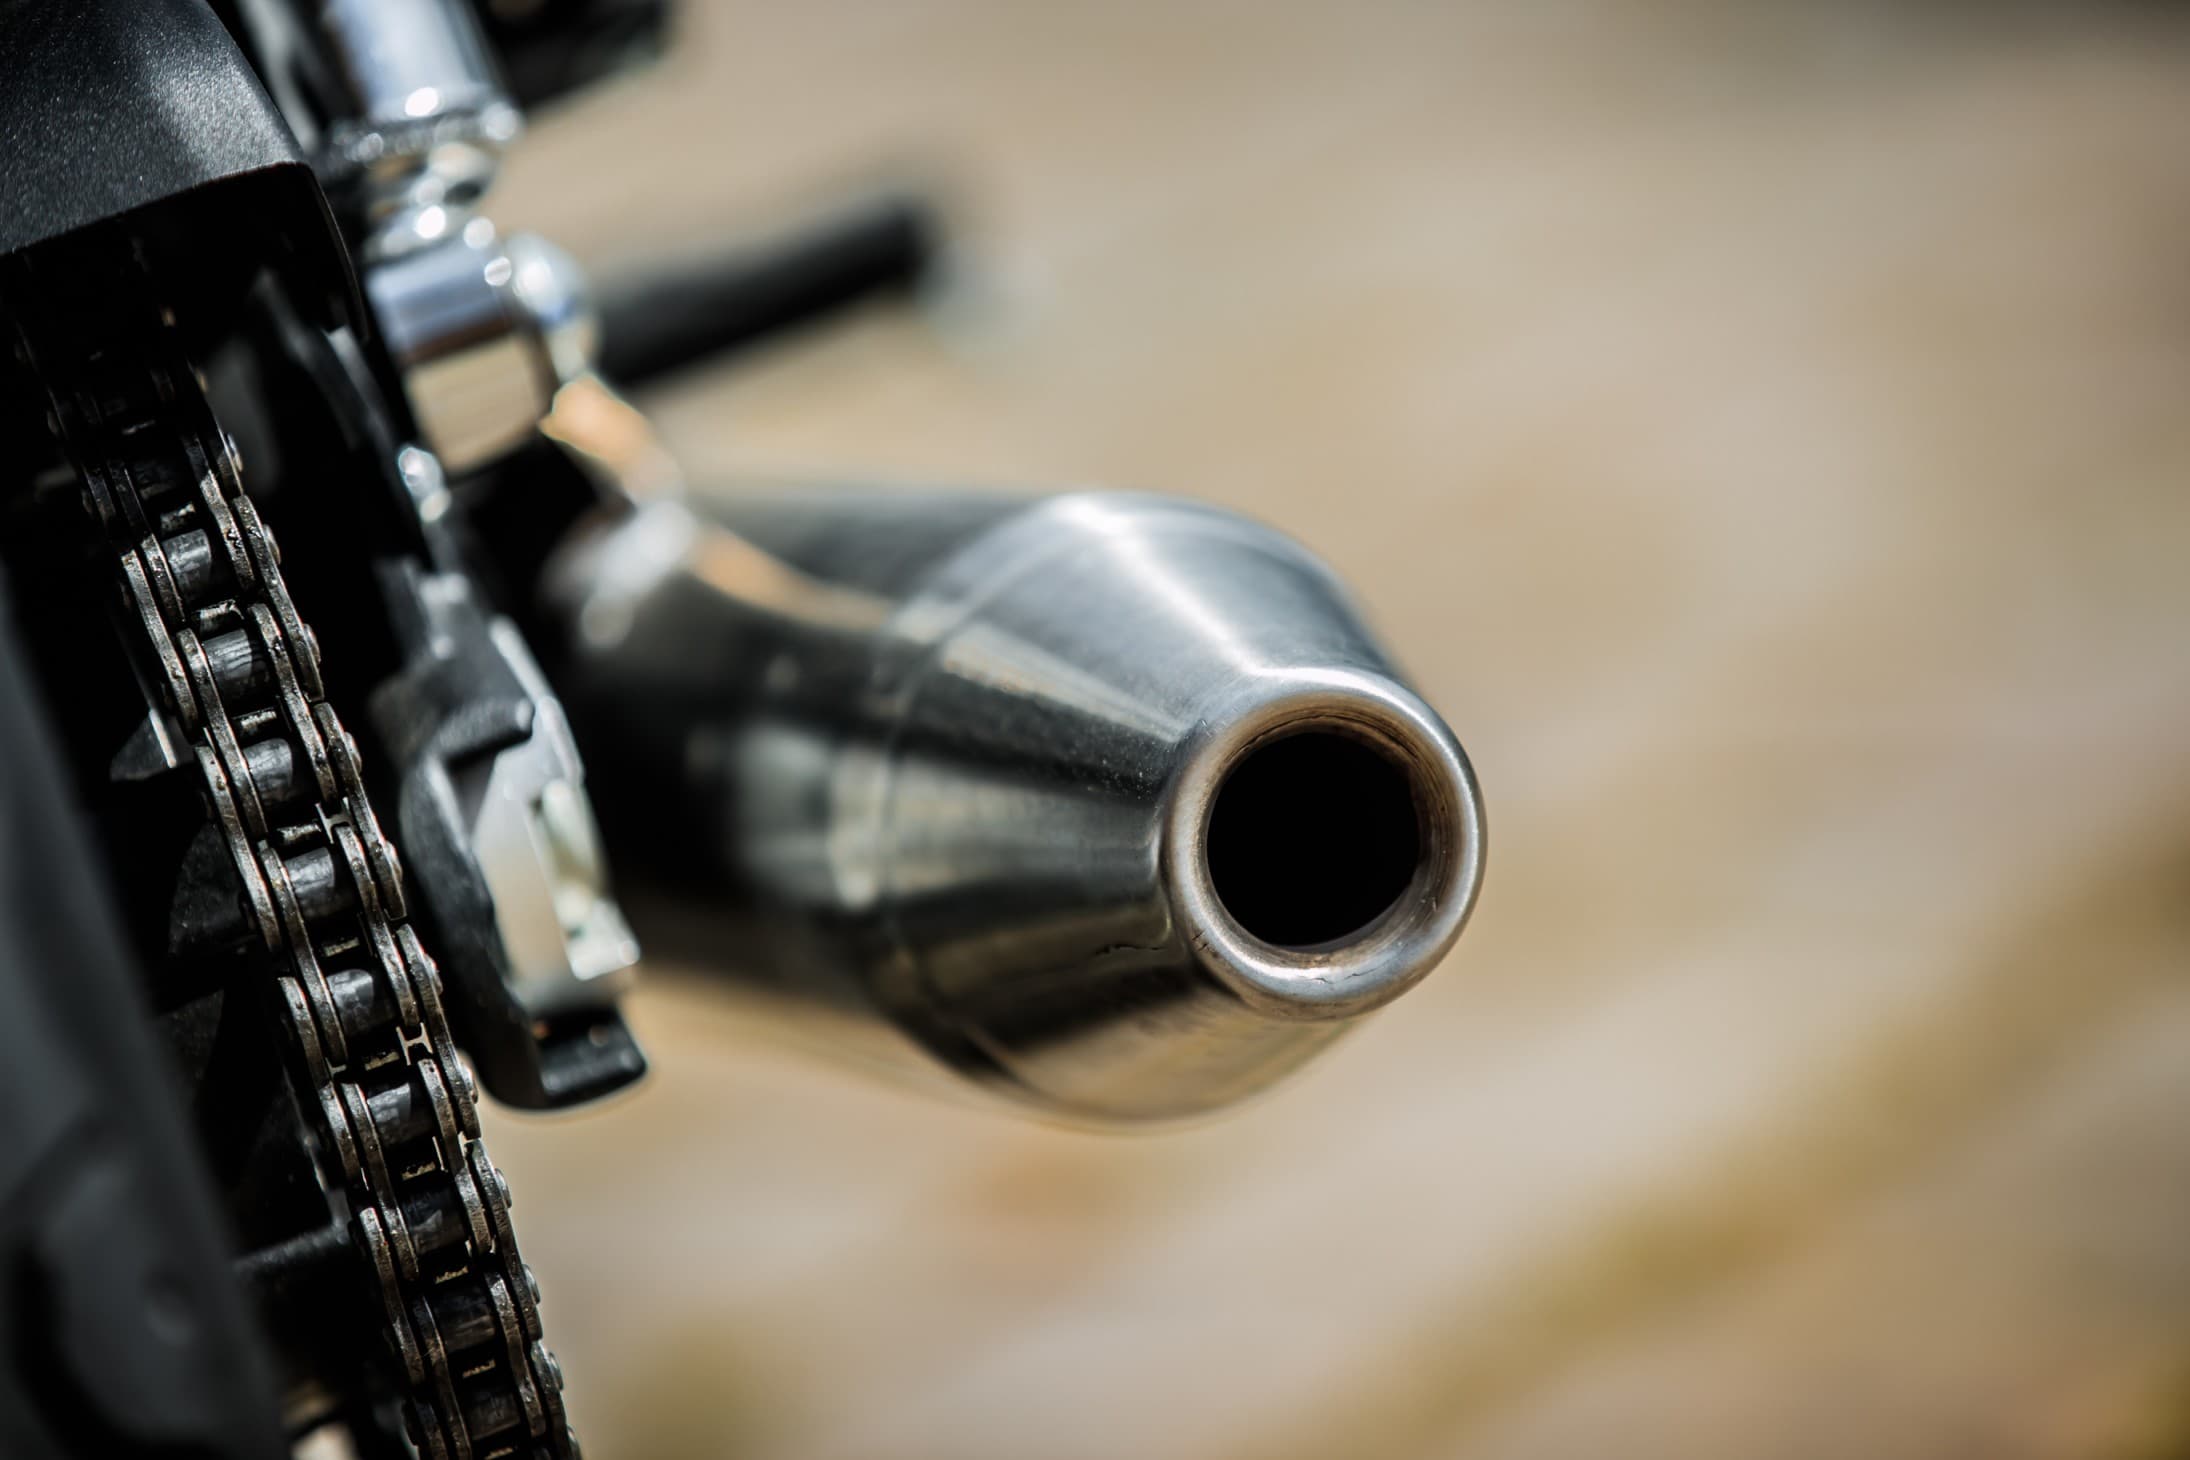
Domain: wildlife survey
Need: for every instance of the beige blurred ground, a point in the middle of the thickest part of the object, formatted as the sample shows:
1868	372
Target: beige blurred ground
1765	430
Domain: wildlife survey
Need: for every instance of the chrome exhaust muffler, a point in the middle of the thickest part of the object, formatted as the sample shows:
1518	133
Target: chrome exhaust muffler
1108	801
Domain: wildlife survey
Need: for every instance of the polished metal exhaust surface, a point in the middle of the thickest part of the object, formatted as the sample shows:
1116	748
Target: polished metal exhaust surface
1106	800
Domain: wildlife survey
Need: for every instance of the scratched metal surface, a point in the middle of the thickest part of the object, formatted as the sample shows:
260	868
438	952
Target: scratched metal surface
1764	430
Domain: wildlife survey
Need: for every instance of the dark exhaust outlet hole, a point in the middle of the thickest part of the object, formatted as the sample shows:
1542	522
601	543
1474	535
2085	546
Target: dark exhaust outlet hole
1312	838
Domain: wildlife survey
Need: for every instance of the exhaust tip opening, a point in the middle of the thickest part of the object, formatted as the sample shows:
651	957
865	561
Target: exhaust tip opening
1313	836
1323	844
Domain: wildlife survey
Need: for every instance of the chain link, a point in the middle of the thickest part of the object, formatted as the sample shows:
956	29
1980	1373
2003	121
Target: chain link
389	1100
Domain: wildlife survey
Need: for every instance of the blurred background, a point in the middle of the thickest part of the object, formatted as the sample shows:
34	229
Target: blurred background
1763	430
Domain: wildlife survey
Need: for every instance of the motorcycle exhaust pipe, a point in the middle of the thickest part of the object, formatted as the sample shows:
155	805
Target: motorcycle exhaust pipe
1108	801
